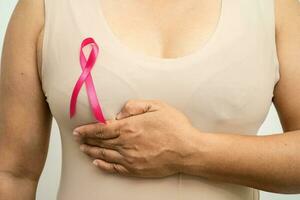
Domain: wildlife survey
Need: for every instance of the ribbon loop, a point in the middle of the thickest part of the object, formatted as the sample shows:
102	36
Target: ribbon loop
86	66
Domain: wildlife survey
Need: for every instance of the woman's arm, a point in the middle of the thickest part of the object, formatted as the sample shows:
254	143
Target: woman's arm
25	118
271	162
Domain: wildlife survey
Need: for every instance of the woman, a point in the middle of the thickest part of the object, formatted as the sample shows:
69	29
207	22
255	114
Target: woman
191	82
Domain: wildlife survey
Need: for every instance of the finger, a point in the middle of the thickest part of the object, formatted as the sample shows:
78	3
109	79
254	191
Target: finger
111	167
98	130
136	106
108	143
78	139
102	153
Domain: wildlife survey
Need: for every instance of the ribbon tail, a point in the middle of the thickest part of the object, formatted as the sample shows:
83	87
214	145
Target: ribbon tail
97	111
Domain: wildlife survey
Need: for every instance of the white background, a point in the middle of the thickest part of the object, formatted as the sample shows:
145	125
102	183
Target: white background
49	181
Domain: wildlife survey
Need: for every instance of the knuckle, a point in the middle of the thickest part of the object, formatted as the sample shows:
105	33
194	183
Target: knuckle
99	127
129	160
99	134
101	153
132	128
119	148
128	129
117	168
112	143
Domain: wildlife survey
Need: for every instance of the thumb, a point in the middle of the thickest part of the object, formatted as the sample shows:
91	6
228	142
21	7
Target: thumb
136	107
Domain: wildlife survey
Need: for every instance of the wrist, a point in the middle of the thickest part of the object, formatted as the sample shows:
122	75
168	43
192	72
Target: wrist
193	161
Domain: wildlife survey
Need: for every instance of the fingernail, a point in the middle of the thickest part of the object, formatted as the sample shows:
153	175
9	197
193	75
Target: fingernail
75	133
82	147
95	162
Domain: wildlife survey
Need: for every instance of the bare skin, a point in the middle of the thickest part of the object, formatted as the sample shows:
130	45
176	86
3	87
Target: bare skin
24	144
162	28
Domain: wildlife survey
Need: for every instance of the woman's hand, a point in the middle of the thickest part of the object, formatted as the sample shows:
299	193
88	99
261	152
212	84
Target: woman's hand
147	139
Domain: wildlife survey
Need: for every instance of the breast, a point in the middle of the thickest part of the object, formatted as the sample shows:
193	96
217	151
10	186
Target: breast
223	95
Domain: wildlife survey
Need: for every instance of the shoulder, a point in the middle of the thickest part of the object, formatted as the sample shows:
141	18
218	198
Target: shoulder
30	11
25	27
287	23
27	20
19	50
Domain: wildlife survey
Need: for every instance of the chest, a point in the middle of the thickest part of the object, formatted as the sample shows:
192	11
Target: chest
161	29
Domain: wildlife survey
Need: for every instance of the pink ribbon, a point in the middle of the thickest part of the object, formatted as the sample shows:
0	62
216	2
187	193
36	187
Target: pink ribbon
86	77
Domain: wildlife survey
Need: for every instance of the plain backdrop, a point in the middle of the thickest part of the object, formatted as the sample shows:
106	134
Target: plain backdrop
49	181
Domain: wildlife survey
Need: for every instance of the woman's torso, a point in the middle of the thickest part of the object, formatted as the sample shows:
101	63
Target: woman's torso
222	78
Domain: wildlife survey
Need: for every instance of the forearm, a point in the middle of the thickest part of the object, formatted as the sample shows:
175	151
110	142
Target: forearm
13	187
270	163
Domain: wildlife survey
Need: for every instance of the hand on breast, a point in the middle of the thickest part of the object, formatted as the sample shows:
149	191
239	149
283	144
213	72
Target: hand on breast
148	138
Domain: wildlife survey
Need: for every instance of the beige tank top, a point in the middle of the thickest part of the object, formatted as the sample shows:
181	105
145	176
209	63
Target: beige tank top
225	86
